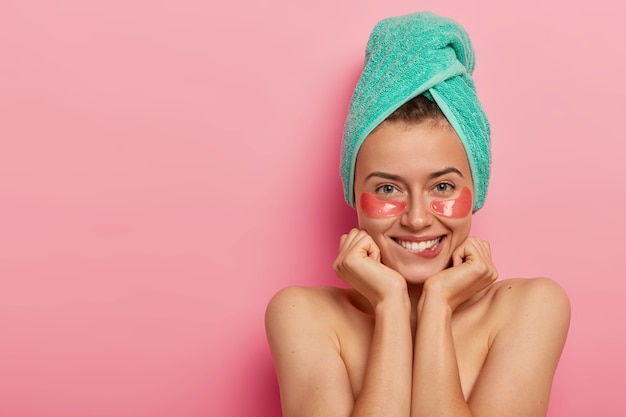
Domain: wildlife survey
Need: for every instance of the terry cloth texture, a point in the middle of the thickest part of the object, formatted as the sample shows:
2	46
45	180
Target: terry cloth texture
411	55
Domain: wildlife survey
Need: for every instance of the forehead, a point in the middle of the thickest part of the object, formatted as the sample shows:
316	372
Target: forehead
402	148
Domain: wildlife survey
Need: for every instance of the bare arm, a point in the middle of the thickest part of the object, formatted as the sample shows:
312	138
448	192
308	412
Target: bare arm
437	387
436	382
386	387
516	378
387	384
313	377
311	374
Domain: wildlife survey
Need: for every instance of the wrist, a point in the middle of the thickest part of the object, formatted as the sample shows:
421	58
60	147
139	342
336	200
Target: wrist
397	301
434	299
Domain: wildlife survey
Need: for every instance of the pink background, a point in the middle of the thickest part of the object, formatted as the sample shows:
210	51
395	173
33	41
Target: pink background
166	166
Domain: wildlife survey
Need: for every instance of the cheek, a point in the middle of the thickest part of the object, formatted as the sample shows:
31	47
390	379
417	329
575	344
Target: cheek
454	209
375	208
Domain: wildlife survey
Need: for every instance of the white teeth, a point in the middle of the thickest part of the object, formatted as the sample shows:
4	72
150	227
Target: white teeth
420	246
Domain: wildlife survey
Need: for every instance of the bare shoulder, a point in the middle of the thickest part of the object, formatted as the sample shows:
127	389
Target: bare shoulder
300	310
302	301
304	294
538	303
519	294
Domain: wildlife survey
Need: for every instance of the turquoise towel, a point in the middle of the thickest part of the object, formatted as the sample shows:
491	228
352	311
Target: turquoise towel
405	57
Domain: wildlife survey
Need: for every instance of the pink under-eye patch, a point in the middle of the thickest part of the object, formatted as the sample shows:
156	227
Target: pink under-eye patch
456	209
375	208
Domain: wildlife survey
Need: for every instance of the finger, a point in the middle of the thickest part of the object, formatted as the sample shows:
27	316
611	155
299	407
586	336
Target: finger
462	253
479	253
351	239
356	245
372	249
483	250
471	252
364	242
348	238
342	241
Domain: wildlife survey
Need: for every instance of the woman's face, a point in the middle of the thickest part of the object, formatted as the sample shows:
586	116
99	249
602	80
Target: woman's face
413	195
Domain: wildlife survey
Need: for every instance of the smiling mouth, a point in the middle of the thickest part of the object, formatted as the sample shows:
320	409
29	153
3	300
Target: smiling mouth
419	246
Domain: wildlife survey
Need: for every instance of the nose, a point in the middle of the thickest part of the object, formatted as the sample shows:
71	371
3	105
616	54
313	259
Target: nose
417	214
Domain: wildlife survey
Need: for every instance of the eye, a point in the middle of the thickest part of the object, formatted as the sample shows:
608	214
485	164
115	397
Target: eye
387	189
444	187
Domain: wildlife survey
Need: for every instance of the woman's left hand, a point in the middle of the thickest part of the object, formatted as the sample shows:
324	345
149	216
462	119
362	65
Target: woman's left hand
472	271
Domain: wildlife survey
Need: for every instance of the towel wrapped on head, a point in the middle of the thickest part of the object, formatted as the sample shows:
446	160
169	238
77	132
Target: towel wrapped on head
406	56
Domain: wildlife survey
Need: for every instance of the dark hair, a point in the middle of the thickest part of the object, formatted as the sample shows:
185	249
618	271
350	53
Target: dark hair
417	110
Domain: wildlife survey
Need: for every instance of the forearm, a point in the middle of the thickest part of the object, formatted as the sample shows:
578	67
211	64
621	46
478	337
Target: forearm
436	383
386	387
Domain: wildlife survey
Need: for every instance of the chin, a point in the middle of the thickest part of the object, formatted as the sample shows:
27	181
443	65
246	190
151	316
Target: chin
418	274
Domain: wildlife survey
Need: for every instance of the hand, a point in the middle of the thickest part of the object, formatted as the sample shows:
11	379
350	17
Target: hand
358	264
472	271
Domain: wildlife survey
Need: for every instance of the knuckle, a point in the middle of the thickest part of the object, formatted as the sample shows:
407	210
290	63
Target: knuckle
336	266
494	274
483	269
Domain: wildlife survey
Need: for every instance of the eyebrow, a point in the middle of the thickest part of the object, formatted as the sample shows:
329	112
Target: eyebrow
433	175
449	170
384	175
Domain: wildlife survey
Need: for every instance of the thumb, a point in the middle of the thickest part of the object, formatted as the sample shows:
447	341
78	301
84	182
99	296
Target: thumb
459	256
372	250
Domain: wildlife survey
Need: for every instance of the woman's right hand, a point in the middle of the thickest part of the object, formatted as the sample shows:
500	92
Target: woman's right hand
358	264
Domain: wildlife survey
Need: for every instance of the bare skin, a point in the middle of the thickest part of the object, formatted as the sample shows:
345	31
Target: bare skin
419	332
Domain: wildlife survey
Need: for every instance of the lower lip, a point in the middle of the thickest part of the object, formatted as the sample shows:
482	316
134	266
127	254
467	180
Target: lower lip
426	253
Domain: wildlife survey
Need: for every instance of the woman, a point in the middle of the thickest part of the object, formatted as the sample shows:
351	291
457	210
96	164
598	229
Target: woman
425	328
